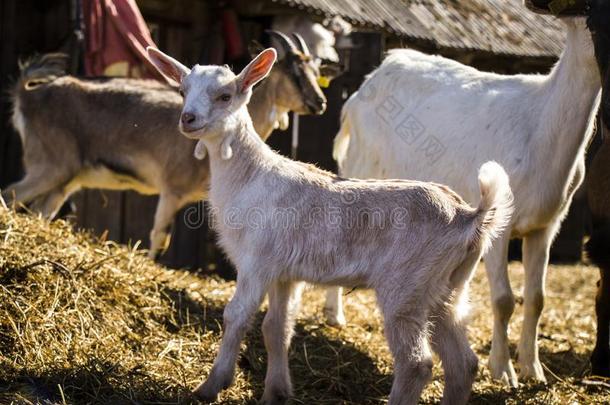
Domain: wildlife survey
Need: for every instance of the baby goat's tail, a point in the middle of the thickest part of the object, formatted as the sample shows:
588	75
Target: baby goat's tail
496	206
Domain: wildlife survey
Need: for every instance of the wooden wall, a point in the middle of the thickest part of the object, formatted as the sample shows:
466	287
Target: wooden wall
26	26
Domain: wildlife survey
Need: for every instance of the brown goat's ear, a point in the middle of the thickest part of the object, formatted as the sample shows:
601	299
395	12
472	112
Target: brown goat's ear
256	70
167	65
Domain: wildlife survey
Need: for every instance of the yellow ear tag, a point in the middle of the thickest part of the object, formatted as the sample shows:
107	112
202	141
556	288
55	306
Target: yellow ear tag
323	81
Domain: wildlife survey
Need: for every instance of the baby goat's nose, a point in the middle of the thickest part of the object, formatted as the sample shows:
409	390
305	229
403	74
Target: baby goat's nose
187	118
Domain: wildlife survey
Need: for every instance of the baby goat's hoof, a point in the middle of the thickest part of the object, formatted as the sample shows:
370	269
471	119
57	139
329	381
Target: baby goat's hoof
208	391
205	396
277	397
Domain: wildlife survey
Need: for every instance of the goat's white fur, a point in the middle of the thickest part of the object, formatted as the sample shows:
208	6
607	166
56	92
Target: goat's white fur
536	127
418	270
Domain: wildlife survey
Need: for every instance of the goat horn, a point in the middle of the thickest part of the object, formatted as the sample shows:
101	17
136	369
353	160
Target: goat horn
301	43
287	44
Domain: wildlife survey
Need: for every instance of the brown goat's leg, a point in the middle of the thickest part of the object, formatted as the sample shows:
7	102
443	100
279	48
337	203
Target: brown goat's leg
600	359
167	207
598	251
50	203
33	185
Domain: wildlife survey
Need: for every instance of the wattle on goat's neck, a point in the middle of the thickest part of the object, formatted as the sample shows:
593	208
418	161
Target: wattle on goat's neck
568	96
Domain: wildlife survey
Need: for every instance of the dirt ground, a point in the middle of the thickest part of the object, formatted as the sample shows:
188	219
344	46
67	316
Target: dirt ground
86	321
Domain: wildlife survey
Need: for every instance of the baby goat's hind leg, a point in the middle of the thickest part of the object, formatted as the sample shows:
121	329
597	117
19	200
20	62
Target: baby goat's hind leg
284	299
460	363
406	329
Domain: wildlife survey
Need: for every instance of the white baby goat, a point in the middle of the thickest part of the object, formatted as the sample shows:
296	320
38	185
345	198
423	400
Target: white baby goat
281	222
432	119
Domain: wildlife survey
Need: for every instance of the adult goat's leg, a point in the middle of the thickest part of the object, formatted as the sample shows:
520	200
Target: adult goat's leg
167	207
597	251
278	325
503	304
333	307
536	247
600	358
238	314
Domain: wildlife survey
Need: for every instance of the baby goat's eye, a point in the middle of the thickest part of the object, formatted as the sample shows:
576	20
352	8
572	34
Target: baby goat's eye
181	92
224	97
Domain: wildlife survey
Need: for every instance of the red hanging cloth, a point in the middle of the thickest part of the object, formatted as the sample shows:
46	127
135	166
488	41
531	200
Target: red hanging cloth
116	37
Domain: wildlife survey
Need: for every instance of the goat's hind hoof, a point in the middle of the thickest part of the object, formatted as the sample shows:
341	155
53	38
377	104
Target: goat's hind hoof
277	398
207	392
204	396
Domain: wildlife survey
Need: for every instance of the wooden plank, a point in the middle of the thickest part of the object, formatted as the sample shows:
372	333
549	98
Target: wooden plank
8	67
101	213
184	248
138	218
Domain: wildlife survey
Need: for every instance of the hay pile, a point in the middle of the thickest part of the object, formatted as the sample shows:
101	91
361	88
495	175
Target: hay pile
88	321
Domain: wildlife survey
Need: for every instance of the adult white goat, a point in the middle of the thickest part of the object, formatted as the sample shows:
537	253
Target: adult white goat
433	119
282	221
121	134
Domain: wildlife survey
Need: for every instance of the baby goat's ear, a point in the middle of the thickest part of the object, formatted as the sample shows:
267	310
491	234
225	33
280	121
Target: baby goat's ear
256	70
167	65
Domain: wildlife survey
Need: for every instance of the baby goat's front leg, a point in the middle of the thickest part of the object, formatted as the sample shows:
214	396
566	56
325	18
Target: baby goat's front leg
284	299
249	294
